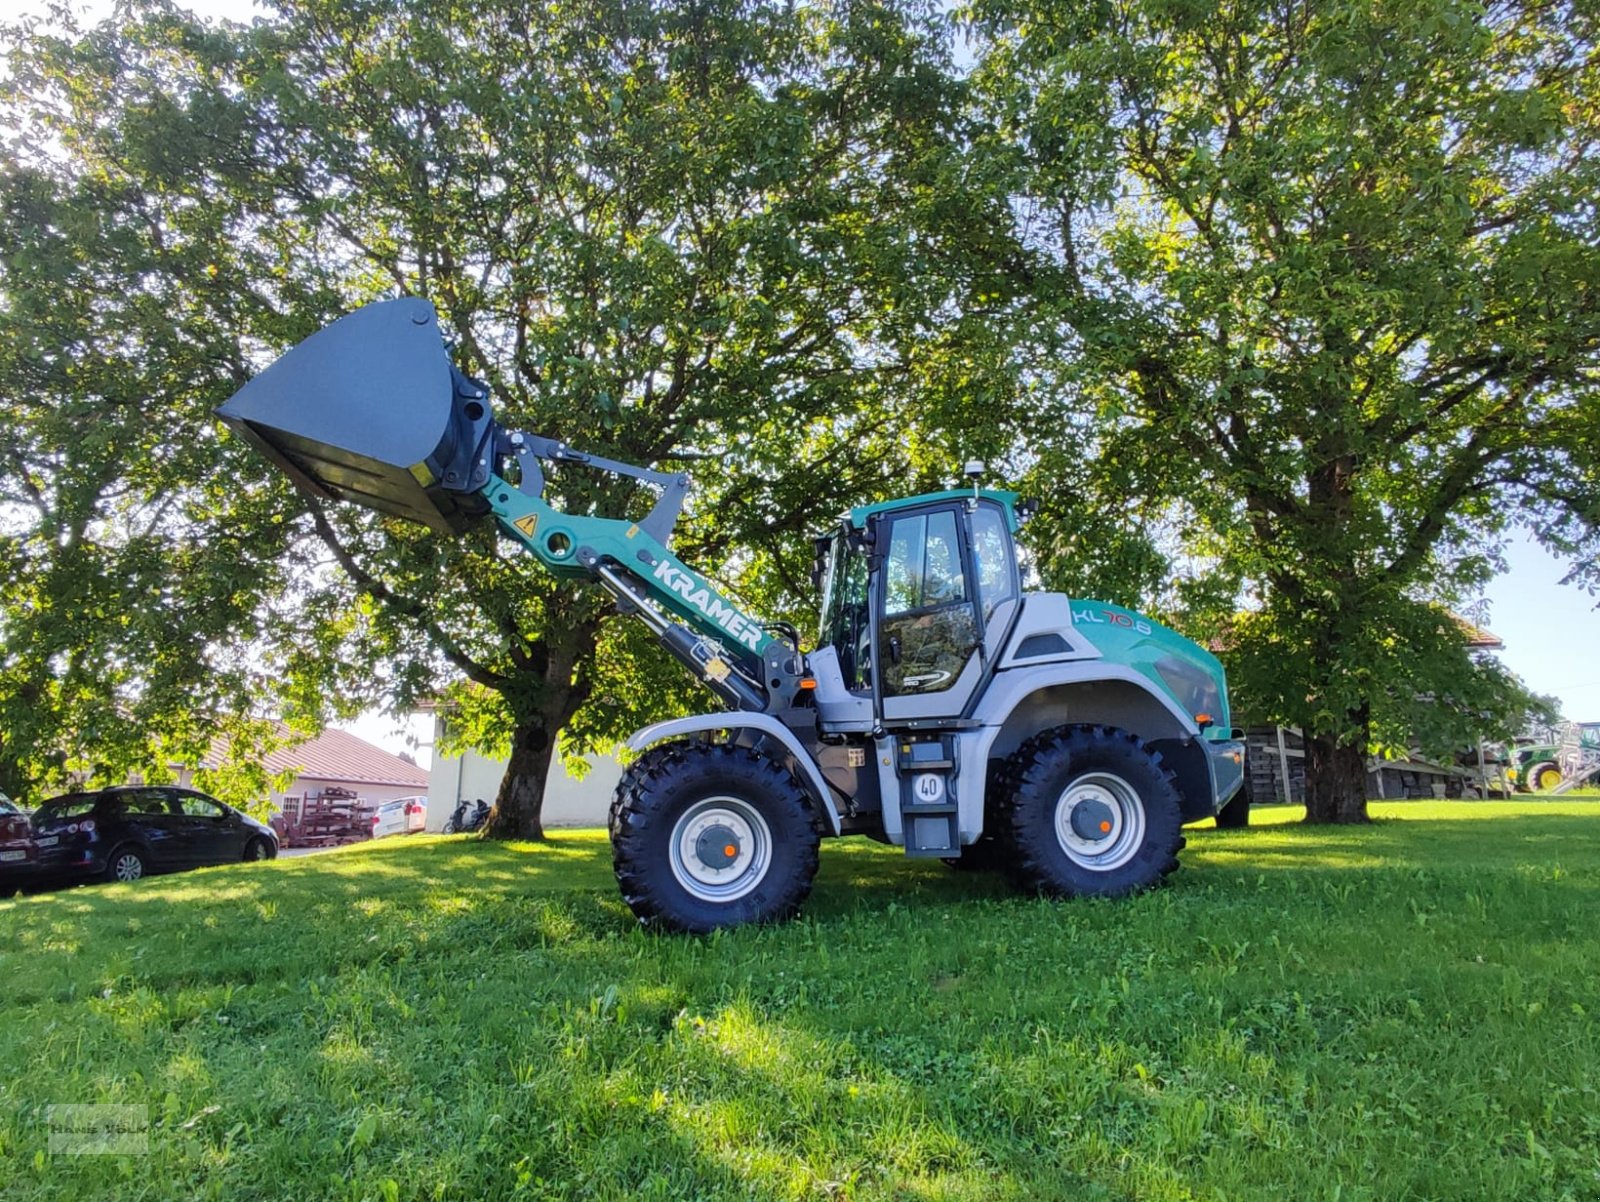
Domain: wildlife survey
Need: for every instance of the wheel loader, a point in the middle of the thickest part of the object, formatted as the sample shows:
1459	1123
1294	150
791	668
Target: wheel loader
943	709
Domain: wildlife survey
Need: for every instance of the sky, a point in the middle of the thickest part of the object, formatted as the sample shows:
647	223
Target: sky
1551	631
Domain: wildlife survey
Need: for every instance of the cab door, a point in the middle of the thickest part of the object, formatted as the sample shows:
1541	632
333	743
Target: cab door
928	627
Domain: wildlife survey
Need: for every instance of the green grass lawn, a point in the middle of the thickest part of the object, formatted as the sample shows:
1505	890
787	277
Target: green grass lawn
1407	1011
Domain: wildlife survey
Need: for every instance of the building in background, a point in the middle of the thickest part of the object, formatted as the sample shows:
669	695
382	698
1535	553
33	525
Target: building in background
337	759
567	802
1275	759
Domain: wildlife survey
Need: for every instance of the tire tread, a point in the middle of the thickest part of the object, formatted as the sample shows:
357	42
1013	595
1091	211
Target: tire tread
634	819
1025	769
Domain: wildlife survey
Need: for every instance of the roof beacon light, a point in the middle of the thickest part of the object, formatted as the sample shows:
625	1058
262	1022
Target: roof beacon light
973	470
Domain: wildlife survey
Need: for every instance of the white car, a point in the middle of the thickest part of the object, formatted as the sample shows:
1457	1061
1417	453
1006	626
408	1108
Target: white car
402	816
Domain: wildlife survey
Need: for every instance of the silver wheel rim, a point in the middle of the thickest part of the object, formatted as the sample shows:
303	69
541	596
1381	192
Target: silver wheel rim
128	867
258	850
726	822
1100	821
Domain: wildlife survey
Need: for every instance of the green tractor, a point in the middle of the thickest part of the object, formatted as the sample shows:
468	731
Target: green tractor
1536	768
943	709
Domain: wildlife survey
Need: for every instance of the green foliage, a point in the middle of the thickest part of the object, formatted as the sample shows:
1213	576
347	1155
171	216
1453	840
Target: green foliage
1334	274
134	575
429	1018
740	238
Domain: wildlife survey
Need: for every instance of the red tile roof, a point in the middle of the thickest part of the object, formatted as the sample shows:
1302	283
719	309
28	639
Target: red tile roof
339	755
1479	638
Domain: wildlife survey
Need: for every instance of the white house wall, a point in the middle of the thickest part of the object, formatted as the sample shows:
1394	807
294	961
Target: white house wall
567	802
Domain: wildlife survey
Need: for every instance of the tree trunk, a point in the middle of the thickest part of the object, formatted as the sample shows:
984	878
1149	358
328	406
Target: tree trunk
519	806
1336	777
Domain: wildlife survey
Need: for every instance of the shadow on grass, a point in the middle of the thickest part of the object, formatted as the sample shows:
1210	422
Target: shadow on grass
919	1032
1472	844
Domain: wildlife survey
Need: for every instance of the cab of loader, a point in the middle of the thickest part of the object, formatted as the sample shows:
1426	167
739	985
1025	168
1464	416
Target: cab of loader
925	622
913	588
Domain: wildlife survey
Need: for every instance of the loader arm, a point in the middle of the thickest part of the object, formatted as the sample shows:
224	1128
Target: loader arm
731	651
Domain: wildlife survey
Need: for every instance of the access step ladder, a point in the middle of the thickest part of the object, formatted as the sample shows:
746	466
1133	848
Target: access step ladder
927	765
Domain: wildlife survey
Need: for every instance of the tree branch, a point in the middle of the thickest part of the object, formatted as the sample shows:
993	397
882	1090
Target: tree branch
405	606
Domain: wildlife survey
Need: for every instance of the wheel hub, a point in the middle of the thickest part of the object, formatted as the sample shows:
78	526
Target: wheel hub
1100	821
1092	819
721	849
717	847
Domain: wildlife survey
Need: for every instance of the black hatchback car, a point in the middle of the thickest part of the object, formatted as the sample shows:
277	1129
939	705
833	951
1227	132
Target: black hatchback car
125	833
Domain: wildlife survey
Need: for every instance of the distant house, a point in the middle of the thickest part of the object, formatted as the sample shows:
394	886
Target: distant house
338	759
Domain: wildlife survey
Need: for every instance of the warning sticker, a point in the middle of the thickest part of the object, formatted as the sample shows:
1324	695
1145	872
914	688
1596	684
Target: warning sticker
527	524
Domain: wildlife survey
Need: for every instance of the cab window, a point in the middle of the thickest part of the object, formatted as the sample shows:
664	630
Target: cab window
924	565
996	562
844	618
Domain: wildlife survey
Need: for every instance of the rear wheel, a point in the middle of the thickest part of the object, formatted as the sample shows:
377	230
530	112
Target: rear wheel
1088	811
706	835
1236	813
126	864
1544	777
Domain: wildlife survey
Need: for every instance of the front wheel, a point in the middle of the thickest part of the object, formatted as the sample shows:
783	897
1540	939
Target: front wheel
706	835
1088	811
256	850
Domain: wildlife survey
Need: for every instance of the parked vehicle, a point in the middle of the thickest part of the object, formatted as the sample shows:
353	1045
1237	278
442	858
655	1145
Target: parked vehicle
403	816
1537	769
467	817
17	857
942	707
126	833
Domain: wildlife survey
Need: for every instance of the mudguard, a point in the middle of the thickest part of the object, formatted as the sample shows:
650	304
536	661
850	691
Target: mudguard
810	775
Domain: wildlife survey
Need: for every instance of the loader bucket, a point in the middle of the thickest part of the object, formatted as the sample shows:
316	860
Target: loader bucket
371	410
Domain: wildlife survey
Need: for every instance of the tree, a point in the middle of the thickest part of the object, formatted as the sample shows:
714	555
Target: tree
121	625
741	237
1332	271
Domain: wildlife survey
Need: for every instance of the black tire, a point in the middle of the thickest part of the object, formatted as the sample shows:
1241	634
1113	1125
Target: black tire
259	849
126	864
1544	777
735	798
1236	814
988	854
1121	797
